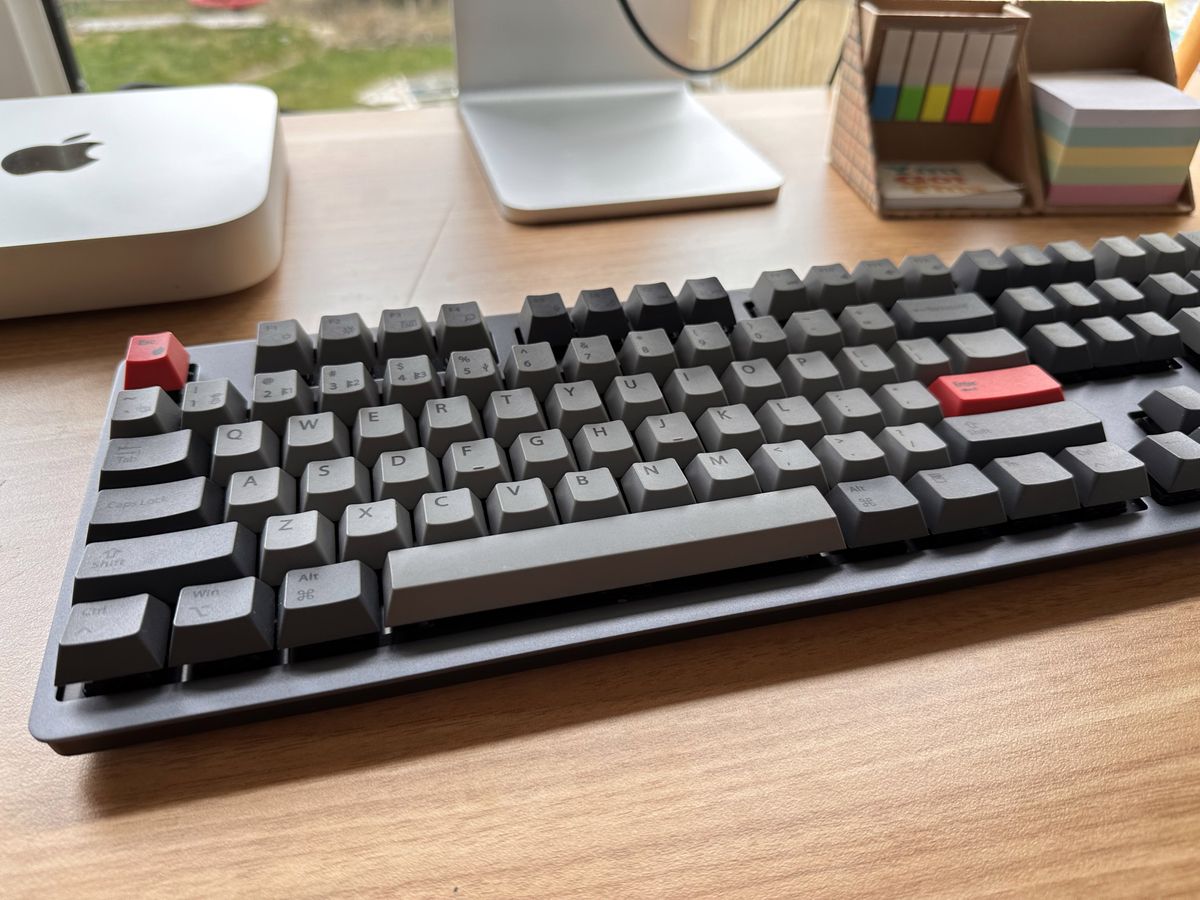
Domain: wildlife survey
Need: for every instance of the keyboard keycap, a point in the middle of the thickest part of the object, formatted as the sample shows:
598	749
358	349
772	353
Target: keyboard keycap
209	404
1032	485
866	324
1157	339
344	339
607	445
654	306
1072	301
379	429
327	603
1048	428
253	497
156	360
876	511
786	465
1163	254
760	338
591	359
939	316
368	532
224	620
983	392
1028	266
532	366
411	381
295	542
477	466
631	398
721	476
1104	473
809	375
461	326
1190	242
472	374
508	414
790	419
694	390
1058	348
1019	309
850	457
656	485
142	412
648	351
752	382
403	333
1167	294
544	319
406	476
447	421
907	403
282	346
112	639
154	508
1109	342
243	448
705	344
448	516
1070	262
778	294
980	272
598	313
850	410
926	276
313	438
571	406
1118	297
813	332
730	427
866	367
983	351
911	448
542	454
878	281
919	359
153	459
277	396
328	487
582	497
1173	408
519	506
956	498
1119	257
705	300
830	288
1172	460
346	389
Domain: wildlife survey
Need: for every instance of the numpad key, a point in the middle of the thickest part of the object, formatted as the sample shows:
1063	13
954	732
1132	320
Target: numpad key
317	517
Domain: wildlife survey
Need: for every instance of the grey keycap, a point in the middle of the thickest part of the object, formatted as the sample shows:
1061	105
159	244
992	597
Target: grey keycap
867	324
411	381
668	437
403	333
532	366
277	396
790	419
721	475
606	445
1048	428
956	498
345	389
223	620
907	403
1072	301
295	542
281	346
648	351
542	454
591	359
571	406
1173	408
752	382
1187	323
980	272
143	411
472	374
1070	262
446	421
778	294
154	508
1163	253
544	319
850	457
1172	460
866	367
461	326
329	486
519	506
787	464
1118	297
448	516
1019	309
911	448
1119	257
936	317
1166	294
477	466
328	603
809	375
1058	348
1109	342
253	497
368	532
1105	473
1028	266
1157	339
919	359
926	276
705	344
112	639
583	496
656	485
1190	242
692	391
705	300
982	351
598	313
153	459
406	476
631	398
544	564
1032	485
654	306
814	331
163	563
207	404
850	410
760	338
243	448
344	339
875	511
730	427
312	438
508	414
378	429
878	281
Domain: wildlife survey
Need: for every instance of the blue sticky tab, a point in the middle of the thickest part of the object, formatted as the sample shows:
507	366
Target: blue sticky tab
883	102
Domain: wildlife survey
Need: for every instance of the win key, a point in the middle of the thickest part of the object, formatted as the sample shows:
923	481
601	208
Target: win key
984	392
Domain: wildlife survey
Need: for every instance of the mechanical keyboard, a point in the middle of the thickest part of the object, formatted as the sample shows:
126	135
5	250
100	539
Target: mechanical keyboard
297	521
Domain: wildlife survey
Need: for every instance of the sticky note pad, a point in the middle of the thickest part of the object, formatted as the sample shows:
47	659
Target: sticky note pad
887	79
995	68
941	76
916	75
966	81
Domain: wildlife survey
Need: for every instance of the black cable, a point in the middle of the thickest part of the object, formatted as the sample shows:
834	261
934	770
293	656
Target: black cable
692	71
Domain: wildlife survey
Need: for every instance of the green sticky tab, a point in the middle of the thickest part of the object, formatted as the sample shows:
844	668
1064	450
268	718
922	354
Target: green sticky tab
909	106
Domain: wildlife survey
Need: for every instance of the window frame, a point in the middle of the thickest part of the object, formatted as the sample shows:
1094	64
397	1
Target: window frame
36	52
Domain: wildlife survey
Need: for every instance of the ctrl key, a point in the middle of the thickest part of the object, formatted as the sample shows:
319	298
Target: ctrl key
112	639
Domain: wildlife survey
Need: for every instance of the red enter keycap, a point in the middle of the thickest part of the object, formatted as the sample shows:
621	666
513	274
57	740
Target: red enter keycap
981	392
156	360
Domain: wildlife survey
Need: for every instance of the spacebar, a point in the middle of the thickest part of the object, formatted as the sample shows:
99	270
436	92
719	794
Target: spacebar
502	570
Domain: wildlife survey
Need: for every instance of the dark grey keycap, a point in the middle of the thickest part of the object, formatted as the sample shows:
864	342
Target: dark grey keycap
1032	485
223	620
850	457
1019	309
866	367
654	306
208	404
508	414
692	391
591	359
778	294
1105	473
656	485
282	346
472	374
980	272
1109	342
760	338
477	466
1119	257
328	603
532	366
721	476
866	324
368	532
956	498
411	381
876	511
878	281
112	639
1070	262
345	389
787	464
730	427
1157	339
143	411
936	317
448	516
163	563
461	326
1187	323
907	403
243	448
598	313
850	410
519	506
1028	266
544	319
1172	460
631	398
1048	428
982	351
1173	408
809	375
752	382
1190	242
648	351
403	333
668	437
583	496
705	344
253	497
1072	301
1166	294
406	476
790	419
926	276
311	438
705	300
153	459
607	445
814	331
911	448
830	287
1058	348
571	406
345	339
1118	297
154	508
919	359
542	454
1163	253
295	542
329	486
277	396
447	421
378	429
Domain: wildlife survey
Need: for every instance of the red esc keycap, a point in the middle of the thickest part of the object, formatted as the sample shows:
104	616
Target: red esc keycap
981	392
156	360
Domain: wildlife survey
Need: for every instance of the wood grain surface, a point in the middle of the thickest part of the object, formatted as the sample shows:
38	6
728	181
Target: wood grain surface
1039	736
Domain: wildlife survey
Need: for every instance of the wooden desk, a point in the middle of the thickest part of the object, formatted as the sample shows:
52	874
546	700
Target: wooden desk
1038	735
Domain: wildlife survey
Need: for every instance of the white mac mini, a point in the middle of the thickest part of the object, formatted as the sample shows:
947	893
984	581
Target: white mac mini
134	197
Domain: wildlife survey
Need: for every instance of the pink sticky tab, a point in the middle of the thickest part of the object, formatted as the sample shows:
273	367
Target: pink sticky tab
961	100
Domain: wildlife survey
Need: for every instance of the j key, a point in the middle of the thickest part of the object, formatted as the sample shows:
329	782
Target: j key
154	508
378	429
865	367
1119	257
671	436
253	497
446	421
814	331
544	319
981	272
448	516
278	396
345	339
866	324
411	381
790	419
510	413
472	374
1190	242
705	344
155	360
926	276
850	457
654	306
113	638
406	476
327	603
310	438
153	459
295	542
207	404
850	410
656	485
1104	473
876	511
1058	348
752	382
368	532
907	403
598	313
164	563
631	398
328	487
477	466
982	351
705	300
878	281
243	448
693	390
1049	428
1032	485
1163	254
1019	309
143	411
1118	297
721	476
1157	339
584	496
911	448
607	445
519	506
730	428
1172	459
1173	408
830	288
282	346
778	294
542	454
1109	342
939	316
591	359
461	326
956	498
809	375
648	351
785	465
1168	293
983	392
346	389
760	338
1072	301
1070	262
571	406
1028	266
224	620
532	366
403	333
919	359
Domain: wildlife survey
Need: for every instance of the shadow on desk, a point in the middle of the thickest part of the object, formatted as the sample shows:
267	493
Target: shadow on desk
609	687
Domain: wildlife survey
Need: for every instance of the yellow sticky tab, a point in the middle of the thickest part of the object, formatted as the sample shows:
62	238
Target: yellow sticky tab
937	98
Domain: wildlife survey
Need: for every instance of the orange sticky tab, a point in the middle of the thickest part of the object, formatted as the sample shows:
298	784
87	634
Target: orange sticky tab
986	101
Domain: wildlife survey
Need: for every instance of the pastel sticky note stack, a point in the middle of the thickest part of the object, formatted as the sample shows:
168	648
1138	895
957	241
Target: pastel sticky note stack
1114	139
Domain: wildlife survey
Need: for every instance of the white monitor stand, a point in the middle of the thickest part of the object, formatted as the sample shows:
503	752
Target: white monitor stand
573	118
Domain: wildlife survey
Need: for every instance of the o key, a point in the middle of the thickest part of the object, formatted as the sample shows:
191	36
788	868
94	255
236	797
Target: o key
156	360
982	392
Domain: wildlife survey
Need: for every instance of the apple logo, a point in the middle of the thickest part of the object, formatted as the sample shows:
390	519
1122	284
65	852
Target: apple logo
72	153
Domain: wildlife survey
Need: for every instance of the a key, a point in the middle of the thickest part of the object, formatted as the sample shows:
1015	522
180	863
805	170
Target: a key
730	427
1019	309
368	532
1163	254
449	516
143	411
1166	294
472	374
937	317
875	511
692	391
154	509
809	375
648	351
760	338
1032	485
850	410
1109	342
1070	262
520	506
790	419
542	454
344	339
510	413
477	466
461	326
778	294
381	428
346	389
866	367
406	476
591	359
866	324
980	272
1048	428
656	485
1058	348
282	346
208	404
277	396
607	445
598	313
153	459
1104	473
907	403
253	497
911	448
329	486
926	276
1118	297
411	381
447	421
112	639
571	406
1119	257
402	334
161	564
705	300
532	366
243	448
983	351
830	288
1072	301
919	359
705	344
328	603
654	306
631	398
311	438
1172	460
156	360
584	496
1028	266
850	457
814	331
1173	408
983	392
721	475
1157	339
878	281
787	464
295	542
670	436
544	319
223	620
752	382
956	498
